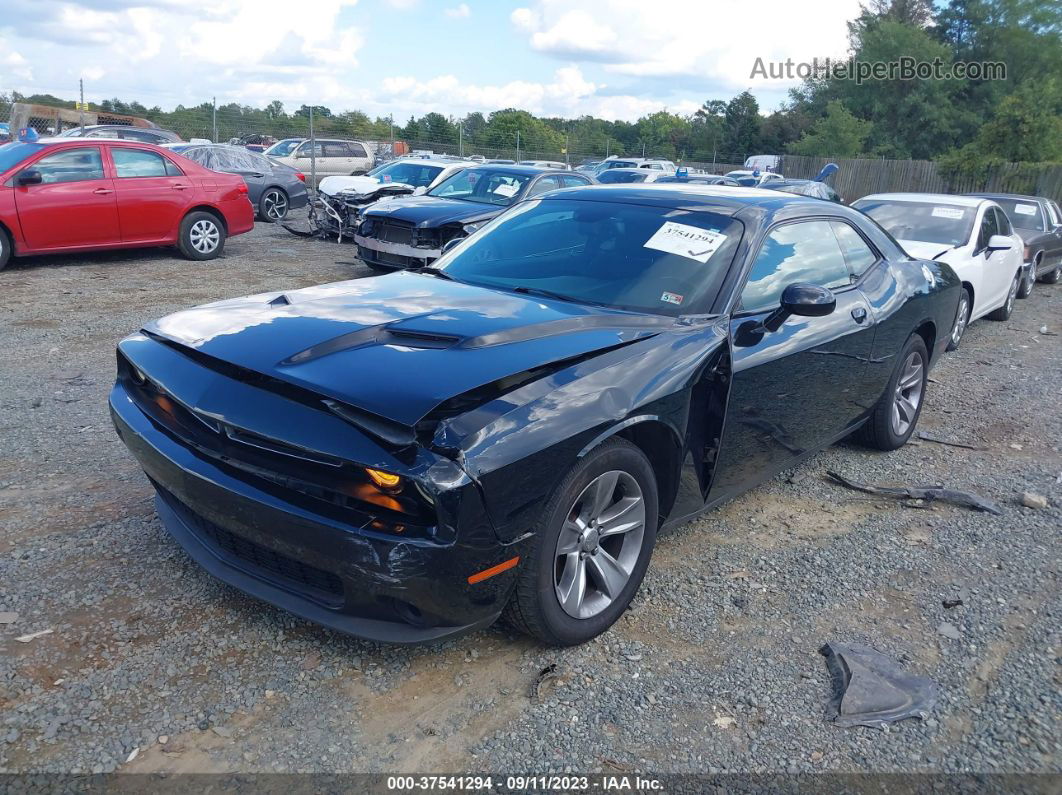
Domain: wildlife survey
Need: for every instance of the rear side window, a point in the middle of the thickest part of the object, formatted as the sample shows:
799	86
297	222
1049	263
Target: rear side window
572	181
137	163
338	149
542	185
357	150
71	165
805	251
857	254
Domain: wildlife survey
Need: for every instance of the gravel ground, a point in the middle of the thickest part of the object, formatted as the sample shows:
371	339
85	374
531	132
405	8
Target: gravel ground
715	668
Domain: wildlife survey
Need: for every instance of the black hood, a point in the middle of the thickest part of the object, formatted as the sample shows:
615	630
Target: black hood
430	211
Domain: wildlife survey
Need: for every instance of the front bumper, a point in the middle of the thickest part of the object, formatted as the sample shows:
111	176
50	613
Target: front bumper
337	574
394	255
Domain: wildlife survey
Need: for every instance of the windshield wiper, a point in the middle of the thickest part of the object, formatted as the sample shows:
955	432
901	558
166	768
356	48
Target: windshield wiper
558	296
430	271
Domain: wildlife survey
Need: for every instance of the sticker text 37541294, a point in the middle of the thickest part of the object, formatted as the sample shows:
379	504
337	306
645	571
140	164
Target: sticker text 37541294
687	241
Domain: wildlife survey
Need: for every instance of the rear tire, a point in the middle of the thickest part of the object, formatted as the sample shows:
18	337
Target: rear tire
596	564
896	414
273	205
202	236
1051	277
6	249
1004	312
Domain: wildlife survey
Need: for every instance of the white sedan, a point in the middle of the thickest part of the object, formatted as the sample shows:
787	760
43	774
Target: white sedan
418	173
973	235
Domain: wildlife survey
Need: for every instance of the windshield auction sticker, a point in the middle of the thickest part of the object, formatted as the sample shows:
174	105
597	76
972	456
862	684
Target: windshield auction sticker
1025	209
953	213
686	241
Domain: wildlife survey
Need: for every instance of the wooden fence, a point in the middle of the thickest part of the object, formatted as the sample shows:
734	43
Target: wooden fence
856	178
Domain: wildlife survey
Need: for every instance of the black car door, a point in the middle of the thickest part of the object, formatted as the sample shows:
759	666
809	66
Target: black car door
799	387
1053	248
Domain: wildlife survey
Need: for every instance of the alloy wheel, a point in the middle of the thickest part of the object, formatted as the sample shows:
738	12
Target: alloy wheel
1030	280
960	318
1013	292
275	205
204	236
908	393
599	544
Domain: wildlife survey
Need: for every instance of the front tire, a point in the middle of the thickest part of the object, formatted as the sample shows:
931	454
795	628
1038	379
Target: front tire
896	414
202	236
1027	283
1004	312
591	548
1051	277
962	319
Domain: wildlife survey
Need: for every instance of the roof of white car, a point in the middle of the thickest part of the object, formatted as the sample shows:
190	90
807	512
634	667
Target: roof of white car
928	198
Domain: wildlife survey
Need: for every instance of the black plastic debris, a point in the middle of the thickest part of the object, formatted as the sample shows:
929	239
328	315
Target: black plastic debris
871	689
928	493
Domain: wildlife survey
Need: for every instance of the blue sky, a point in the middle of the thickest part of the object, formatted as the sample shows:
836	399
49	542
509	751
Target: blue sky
610	58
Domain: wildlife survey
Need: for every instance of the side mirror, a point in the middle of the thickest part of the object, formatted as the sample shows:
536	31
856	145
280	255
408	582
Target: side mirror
420	190
1000	243
450	244
30	176
803	300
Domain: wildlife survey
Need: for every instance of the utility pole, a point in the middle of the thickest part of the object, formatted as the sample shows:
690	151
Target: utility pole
460	140
643	150
214	114
517	146
313	154
567	162
81	105
607	142
391	121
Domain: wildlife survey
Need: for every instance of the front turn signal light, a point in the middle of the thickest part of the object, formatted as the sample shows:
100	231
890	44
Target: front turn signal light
385	480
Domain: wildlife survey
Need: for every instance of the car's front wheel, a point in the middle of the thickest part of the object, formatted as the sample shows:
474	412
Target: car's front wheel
962	318
1004	312
1028	280
591	547
893	419
202	236
1051	277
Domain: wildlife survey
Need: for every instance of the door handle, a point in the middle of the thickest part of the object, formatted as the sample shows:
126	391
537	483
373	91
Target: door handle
103	191
180	187
859	314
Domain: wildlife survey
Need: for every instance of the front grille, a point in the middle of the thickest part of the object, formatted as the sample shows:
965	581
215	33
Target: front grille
264	562
393	232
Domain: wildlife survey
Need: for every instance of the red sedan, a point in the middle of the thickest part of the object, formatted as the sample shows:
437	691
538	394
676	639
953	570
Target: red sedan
67	195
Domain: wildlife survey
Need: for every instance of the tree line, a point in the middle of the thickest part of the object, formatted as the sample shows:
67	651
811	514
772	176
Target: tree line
964	124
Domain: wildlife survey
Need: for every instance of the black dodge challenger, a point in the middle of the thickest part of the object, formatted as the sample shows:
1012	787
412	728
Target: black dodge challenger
409	456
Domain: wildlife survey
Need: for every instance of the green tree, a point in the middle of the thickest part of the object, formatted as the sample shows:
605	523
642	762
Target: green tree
742	125
837	134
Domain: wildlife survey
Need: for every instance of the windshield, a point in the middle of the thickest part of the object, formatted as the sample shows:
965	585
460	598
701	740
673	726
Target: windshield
14	153
407	172
1023	214
613	176
283	148
924	222
482	185
655	260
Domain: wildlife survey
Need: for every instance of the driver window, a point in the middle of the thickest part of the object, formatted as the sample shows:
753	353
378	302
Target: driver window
806	251
543	185
988	228
71	165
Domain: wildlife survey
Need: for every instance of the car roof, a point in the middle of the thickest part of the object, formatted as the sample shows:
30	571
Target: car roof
928	198
718	198
1022	196
503	168
58	141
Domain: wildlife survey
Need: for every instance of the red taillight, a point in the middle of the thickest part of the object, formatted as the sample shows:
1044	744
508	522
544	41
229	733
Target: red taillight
241	188
301	176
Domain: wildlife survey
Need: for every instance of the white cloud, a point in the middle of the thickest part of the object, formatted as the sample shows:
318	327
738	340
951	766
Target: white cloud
717	41
462	11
